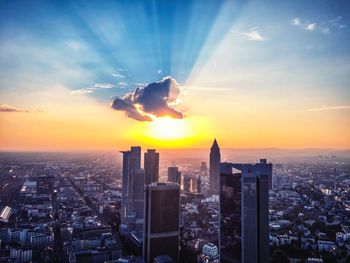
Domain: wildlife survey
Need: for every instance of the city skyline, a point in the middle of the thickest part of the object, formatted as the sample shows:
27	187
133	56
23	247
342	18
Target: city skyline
251	77
184	131
99	208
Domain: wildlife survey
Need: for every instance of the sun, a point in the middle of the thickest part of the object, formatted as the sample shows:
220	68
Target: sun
167	128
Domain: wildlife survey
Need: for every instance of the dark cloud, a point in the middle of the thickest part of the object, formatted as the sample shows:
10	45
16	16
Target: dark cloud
8	108
155	99
130	109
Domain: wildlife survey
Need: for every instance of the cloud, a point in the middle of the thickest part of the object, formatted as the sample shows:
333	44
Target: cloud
118	75
335	20
339	107
131	110
102	86
253	35
153	100
324	27
138	84
122	84
310	27
296	22
80	91
97	86
8	108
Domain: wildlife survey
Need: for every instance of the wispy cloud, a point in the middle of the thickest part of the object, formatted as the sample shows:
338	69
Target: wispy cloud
339	107
296	22
118	75
81	91
102	86
9	108
323	27
253	35
122	84
308	26
337	22
139	84
97	86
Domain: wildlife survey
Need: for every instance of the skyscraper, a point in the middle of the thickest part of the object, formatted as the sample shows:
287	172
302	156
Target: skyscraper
174	175
135	158
214	168
199	184
138	193
151	165
131	163
244	215
269	171
186	183
204	169
161	224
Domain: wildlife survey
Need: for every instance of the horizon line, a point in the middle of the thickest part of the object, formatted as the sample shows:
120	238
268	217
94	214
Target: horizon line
175	149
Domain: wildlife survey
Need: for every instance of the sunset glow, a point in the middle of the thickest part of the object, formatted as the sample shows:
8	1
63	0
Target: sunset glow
167	128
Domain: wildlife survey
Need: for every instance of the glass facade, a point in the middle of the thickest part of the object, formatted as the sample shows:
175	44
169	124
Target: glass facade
162	217
230	218
244	215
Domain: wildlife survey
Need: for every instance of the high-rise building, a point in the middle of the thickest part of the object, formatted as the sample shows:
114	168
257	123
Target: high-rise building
199	184
161	223
131	164
204	169
135	158
214	168
138	193
269	171
244	214
151	165
186	183
174	175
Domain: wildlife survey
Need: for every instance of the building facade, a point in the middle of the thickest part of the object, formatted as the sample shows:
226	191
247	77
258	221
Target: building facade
161	223
151	165
174	175
244	214
131	164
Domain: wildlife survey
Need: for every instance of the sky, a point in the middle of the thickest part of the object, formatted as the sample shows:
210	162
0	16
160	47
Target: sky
83	75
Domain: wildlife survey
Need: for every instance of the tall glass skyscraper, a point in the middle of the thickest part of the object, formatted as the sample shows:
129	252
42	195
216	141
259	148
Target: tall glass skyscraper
151	165
174	175
161	223
131	164
214	168
138	193
244	214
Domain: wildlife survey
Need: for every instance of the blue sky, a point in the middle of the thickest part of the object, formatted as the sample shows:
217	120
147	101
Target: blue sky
125	41
131	42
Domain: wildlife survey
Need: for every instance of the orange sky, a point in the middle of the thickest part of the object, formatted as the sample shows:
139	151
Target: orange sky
83	124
